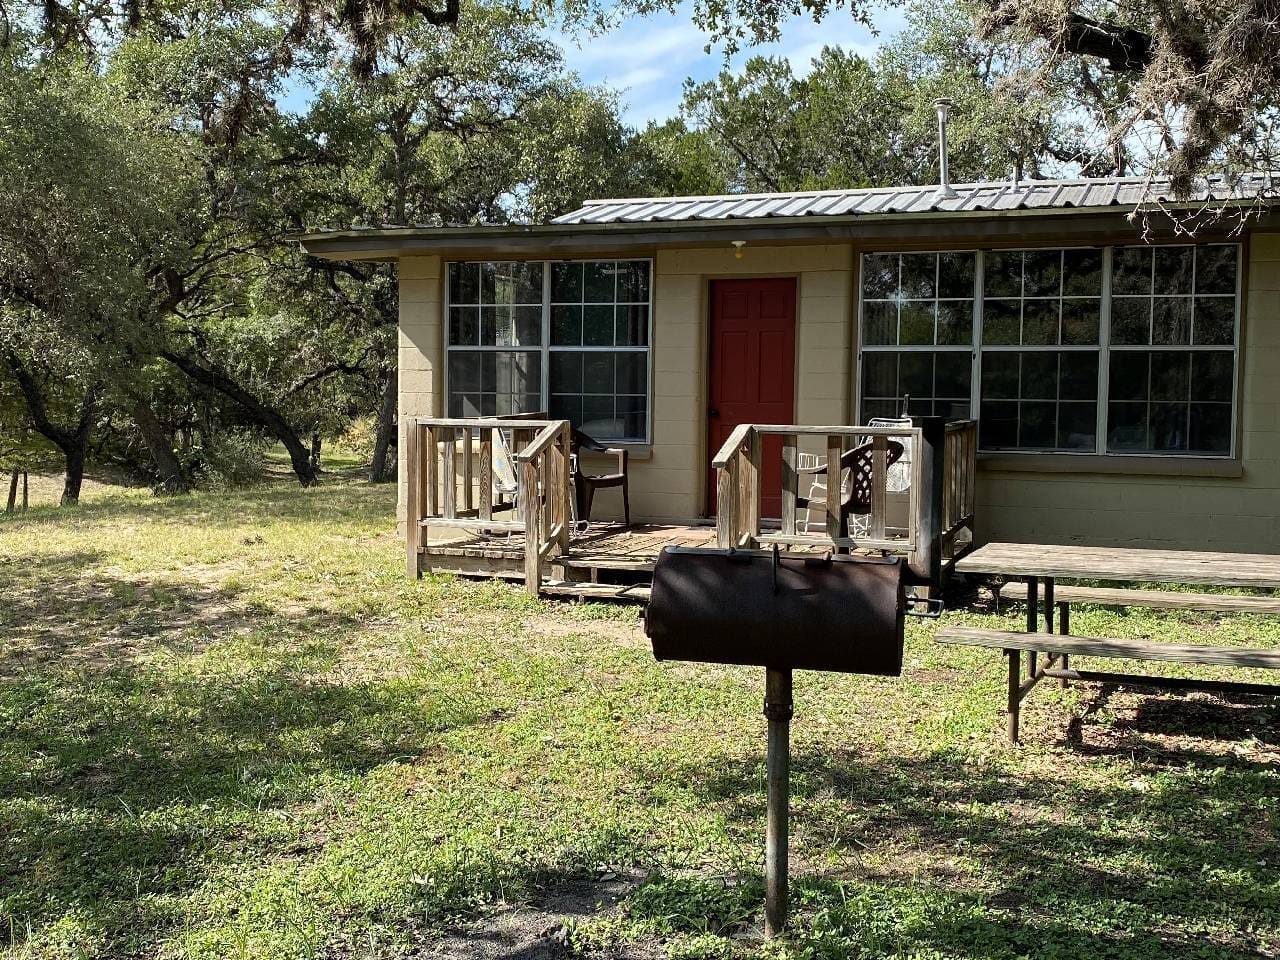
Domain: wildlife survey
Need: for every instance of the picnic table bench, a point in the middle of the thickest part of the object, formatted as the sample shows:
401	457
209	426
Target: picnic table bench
1039	565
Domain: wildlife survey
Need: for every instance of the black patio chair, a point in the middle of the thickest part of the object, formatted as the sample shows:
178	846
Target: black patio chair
857	499
585	485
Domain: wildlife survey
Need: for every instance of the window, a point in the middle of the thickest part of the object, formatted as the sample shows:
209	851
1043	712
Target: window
495	336
1172	363
600	346
917	333
1124	350
1041	321
568	337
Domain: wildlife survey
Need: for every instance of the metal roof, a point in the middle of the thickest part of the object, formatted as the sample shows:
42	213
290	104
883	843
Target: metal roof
1096	194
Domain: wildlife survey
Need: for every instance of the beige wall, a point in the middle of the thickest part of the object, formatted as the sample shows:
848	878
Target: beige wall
1231	514
671	483
668	480
421	349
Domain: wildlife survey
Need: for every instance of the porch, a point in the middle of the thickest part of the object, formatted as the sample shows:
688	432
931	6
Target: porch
492	498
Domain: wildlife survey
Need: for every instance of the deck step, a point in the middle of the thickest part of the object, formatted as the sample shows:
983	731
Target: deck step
597	591
586	561
1155	599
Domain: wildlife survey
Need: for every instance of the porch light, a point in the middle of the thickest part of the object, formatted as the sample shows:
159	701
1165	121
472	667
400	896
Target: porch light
737	249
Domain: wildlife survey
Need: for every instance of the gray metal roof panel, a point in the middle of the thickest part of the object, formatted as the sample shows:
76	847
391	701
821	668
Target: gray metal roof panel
1079	194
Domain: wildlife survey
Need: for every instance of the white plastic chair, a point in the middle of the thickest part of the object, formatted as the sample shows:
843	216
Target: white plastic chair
506	482
818	490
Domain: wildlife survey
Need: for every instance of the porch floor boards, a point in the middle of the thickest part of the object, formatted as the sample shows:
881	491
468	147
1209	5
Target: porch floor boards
601	547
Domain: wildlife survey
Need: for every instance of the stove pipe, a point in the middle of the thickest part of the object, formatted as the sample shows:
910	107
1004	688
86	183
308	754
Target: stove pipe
945	190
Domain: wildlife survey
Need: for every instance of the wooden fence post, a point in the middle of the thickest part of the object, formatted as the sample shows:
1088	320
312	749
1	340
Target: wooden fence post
562	492
530	513
413	498
835	450
751	488
790	483
926	559
727	505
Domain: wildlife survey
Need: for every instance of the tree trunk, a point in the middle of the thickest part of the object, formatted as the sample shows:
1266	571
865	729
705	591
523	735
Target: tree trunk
13	491
316	444
75	475
168	469
378	472
299	455
73	442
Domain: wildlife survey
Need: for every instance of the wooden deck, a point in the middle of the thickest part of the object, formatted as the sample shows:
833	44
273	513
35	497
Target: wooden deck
604	551
492	497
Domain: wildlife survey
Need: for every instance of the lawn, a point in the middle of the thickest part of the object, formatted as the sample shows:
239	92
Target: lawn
232	728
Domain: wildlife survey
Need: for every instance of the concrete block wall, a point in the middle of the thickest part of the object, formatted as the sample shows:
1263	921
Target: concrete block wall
669	479
1235	514
421	359
671	483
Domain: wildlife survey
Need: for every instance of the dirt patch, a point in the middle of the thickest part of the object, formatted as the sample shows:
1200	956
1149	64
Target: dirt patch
1174	728
626	634
538	929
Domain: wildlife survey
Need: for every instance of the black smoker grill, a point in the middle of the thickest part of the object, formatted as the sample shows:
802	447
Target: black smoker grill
783	612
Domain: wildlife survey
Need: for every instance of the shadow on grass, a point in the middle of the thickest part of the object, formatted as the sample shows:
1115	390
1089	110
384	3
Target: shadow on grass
60	608
126	768
345	497
983	860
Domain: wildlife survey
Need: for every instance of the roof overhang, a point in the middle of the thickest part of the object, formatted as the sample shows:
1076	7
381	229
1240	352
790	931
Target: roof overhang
978	226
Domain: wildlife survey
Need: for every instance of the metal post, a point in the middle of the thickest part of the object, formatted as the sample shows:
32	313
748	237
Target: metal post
1064	627
1033	619
778	710
1015	694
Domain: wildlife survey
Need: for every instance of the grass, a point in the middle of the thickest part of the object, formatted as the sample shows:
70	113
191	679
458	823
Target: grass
231	728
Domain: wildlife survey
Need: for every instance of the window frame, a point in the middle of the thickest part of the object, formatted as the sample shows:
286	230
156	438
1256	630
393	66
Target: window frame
934	347
544	349
1103	348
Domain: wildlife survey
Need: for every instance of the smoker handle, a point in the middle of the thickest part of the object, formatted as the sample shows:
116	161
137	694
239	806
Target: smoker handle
933	607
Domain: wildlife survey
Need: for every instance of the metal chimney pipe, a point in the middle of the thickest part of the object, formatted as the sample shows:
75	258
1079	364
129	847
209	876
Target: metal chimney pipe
945	190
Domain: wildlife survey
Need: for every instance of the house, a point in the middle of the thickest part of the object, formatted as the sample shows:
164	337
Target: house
1125	374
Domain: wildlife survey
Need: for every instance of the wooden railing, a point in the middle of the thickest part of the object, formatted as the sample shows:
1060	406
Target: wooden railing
959	489
450	483
916	523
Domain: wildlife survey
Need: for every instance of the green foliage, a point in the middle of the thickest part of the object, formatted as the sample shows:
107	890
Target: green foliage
852	122
149	185
89	178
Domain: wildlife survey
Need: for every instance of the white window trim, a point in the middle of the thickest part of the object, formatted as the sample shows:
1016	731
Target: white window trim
545	349
1103	349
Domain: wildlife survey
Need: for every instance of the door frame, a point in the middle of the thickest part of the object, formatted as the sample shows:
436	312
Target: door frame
704	405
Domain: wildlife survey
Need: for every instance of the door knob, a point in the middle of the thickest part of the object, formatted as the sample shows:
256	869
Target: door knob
713	412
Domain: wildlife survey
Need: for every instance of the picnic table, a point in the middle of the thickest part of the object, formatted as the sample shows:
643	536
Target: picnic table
1040	565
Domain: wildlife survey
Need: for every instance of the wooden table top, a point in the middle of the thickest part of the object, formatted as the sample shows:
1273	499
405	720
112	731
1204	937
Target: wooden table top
1125	563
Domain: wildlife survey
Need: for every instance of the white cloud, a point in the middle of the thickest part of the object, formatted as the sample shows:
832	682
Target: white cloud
649	58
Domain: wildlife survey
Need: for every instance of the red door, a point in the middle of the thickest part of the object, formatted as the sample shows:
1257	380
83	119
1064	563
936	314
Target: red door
752	371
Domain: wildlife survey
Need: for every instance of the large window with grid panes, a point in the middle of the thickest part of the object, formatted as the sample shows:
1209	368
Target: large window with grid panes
567	337
1097	350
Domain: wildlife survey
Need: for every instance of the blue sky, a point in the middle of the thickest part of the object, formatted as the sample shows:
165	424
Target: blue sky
648	58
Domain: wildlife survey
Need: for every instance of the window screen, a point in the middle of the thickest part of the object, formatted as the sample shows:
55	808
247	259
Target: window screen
1041	325
1172	363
